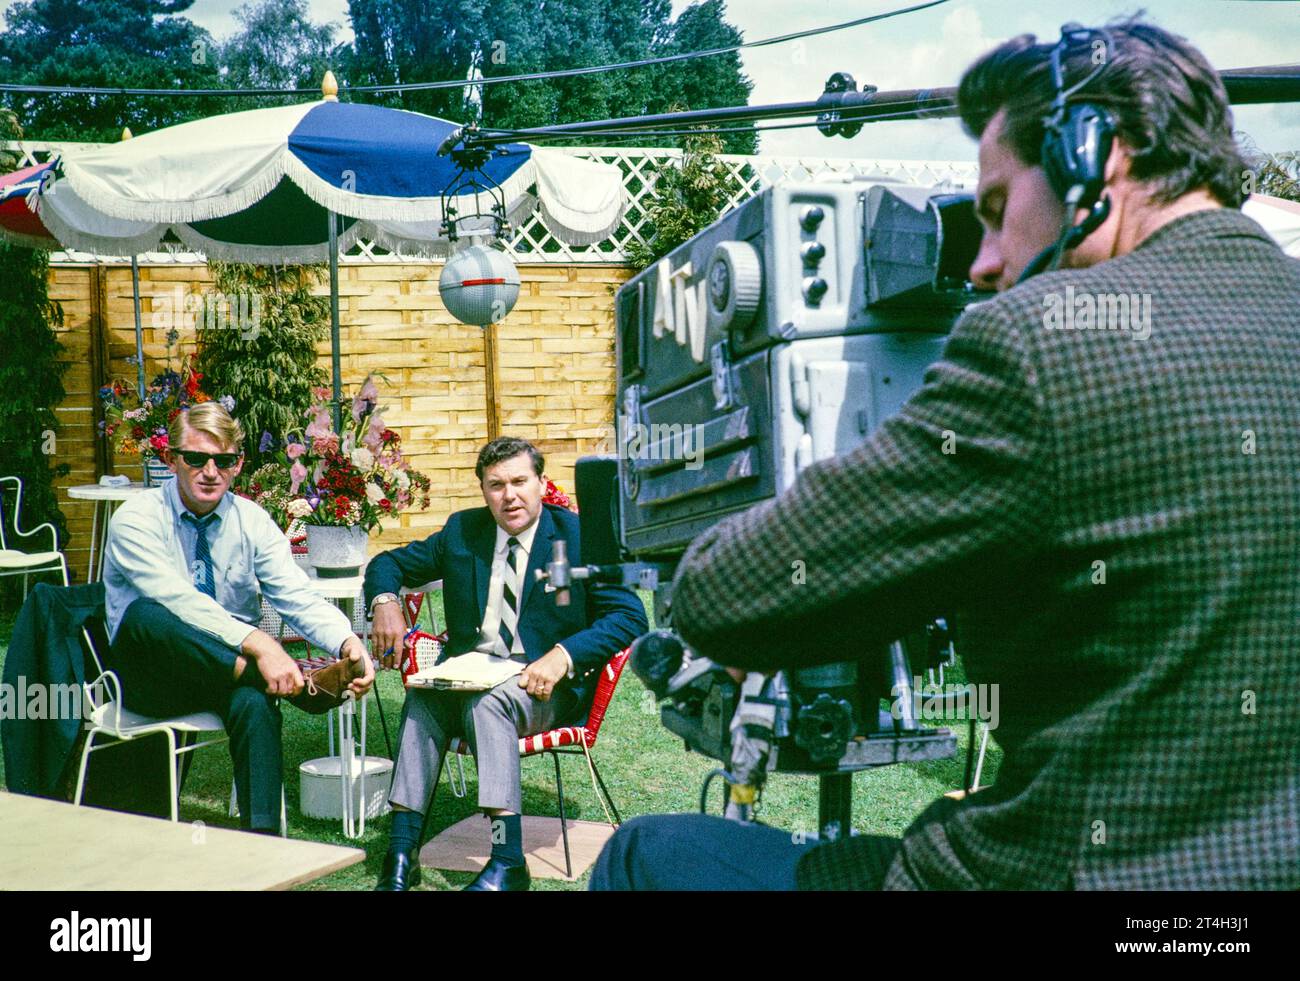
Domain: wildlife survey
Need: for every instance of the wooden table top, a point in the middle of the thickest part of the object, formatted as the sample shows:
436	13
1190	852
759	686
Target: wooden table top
47	844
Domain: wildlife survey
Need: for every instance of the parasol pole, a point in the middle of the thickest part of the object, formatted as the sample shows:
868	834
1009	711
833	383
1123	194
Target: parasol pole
139	347
139	329
329	89
334	324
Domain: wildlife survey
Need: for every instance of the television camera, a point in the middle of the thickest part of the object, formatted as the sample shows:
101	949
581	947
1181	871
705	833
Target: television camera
779	336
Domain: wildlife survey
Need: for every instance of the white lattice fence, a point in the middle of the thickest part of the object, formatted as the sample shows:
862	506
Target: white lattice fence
533	242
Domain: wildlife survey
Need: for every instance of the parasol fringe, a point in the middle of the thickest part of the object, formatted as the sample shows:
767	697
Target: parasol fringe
438	248
264	255
561	222
176	212
582	201
77	239
29	241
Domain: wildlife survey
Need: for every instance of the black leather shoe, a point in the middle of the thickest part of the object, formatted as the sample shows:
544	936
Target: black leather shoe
401	872
497	876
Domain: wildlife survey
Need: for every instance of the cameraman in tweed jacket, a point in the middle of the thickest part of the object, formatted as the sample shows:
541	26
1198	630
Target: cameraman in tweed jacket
1148	713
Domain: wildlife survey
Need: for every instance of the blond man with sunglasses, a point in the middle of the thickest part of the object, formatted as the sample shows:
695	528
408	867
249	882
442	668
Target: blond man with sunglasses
187	566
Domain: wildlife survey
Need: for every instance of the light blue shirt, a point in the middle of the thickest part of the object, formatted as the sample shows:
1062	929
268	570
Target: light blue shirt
150	554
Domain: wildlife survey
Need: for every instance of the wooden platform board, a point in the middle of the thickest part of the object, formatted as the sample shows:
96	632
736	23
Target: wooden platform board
49	845
464	847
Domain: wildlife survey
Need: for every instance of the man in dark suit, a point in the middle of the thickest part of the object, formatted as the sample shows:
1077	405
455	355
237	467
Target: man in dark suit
486	559
1114	507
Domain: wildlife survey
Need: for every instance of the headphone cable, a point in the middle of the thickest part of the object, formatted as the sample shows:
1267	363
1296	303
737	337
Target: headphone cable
1071	236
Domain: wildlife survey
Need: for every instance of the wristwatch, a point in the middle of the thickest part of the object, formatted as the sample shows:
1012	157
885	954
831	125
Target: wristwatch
379	600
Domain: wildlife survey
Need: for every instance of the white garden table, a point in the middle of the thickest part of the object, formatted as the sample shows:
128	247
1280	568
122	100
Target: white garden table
106	498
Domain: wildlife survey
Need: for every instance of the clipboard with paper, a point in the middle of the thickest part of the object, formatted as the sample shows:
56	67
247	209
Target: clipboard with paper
471	671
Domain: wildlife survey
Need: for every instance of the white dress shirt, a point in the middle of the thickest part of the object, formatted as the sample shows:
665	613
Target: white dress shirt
491	627
150	554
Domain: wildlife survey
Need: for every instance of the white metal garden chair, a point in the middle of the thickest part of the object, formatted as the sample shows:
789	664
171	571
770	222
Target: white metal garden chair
15	559
106	715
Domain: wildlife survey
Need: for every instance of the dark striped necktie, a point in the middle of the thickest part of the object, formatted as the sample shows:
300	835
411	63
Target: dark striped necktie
510	589
201	569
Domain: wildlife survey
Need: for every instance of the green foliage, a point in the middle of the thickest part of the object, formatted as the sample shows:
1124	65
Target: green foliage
270	371
1279	175
422	40
686	198
124	43
31	382
277	47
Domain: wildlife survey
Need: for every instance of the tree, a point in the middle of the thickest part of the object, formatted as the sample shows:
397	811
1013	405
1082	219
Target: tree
687	198
31	385
266	358
278	47
702	83
427	40
120	43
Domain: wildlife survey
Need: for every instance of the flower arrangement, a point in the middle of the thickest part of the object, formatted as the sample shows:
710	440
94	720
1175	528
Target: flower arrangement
269	487
137	425
555	495
324	479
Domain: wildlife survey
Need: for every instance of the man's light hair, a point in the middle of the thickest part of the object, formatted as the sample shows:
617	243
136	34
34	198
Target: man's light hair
210	418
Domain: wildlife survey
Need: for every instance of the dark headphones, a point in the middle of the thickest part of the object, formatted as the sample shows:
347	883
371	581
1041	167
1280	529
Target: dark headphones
1077	136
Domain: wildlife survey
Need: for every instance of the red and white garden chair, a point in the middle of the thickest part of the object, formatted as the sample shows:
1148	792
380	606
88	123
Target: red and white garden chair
422	650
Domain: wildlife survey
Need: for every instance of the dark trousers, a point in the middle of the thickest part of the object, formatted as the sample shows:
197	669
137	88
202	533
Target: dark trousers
696	851
168	668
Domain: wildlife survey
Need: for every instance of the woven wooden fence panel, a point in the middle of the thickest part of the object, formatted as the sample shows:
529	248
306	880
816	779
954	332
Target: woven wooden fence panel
554	381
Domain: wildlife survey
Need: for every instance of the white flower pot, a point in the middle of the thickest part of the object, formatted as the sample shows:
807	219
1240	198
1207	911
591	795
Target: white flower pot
158	471
336	553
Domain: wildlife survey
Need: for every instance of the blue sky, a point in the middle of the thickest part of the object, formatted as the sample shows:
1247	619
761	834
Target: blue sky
931	47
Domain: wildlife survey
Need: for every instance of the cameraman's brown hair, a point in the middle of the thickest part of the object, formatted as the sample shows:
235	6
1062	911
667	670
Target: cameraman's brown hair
1170	107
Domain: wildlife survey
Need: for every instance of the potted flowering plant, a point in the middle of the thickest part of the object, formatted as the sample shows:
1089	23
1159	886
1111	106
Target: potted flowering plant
340	487
137	425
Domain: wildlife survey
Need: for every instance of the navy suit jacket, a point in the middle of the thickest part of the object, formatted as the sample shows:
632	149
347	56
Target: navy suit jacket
46	649
599	621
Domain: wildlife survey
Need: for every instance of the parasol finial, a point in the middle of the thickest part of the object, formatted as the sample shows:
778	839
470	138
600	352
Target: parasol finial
126	132
329	87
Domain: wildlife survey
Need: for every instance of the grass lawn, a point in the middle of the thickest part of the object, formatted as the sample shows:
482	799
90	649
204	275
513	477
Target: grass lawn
646	768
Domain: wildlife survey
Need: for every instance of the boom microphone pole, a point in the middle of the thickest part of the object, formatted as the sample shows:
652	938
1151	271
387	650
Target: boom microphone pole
1257	85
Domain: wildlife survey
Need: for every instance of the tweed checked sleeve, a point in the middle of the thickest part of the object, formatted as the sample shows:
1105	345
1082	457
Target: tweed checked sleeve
865	546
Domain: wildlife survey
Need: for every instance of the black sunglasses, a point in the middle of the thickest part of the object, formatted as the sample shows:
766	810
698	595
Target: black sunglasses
197	460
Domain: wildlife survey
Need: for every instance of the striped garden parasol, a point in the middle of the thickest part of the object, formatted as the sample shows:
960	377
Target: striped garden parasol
293	184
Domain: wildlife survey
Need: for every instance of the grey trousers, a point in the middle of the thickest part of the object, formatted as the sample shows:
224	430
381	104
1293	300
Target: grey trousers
491	722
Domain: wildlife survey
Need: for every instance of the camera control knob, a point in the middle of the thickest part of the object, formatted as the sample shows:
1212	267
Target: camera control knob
823	728
656	657
813	253
814	288
810	217
735	286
